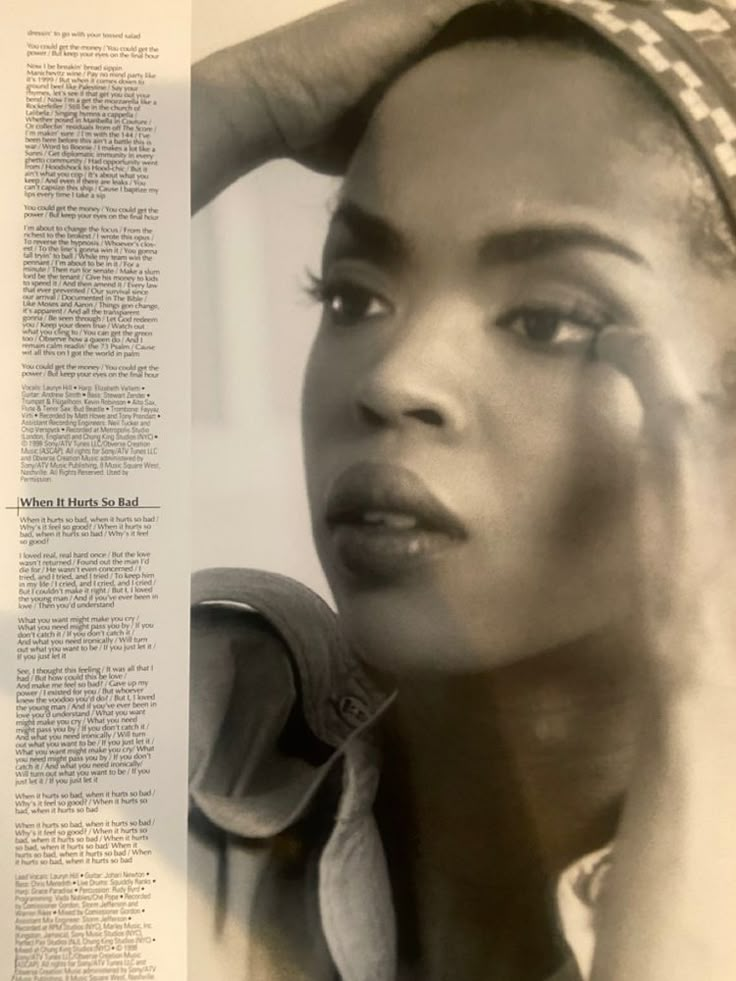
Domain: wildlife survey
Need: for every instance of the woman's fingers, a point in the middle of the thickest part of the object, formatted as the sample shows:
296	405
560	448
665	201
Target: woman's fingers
668	397
673	482
311	85
289	92
684	530
683	425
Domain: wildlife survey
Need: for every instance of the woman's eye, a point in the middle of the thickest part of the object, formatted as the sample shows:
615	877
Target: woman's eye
351	304
552	326
347	304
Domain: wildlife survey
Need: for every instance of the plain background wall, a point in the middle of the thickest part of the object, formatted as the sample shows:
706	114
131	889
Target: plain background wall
252	327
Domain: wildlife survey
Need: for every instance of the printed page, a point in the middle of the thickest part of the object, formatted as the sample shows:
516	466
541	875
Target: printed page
509	381
95	383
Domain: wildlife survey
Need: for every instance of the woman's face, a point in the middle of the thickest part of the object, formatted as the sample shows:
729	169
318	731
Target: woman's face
470	464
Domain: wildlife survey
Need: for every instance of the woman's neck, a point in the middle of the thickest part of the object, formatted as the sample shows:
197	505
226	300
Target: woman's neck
493	784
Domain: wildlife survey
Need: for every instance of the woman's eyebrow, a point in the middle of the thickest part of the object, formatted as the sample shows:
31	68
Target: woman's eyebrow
372	237
537	241
368	236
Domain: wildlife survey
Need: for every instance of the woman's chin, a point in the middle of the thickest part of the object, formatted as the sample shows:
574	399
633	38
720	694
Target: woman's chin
405	639
418	633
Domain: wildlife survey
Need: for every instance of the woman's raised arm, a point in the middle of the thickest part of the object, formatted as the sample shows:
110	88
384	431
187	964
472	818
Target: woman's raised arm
282	94
669	903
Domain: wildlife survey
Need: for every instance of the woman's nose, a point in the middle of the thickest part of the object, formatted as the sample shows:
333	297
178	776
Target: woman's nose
415	381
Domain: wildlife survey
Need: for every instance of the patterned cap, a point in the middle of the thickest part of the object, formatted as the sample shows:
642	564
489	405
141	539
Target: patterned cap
688	49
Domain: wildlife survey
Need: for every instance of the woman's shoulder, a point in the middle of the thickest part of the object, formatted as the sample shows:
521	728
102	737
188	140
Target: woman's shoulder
261	644
274	695
238	665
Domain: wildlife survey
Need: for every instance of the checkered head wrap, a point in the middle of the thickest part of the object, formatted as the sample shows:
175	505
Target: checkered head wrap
688	49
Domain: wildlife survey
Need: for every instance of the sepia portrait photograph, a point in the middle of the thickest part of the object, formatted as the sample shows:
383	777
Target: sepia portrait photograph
463	665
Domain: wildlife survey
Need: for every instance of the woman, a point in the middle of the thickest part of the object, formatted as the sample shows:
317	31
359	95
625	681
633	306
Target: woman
518	417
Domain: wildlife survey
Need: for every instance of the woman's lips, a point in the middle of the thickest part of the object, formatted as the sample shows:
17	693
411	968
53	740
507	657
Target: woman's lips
384	521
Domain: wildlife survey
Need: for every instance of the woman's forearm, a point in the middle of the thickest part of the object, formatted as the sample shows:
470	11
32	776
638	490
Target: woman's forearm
232	130
669	907
283	93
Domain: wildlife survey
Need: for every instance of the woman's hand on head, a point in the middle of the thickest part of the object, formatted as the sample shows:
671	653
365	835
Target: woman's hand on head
284	93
